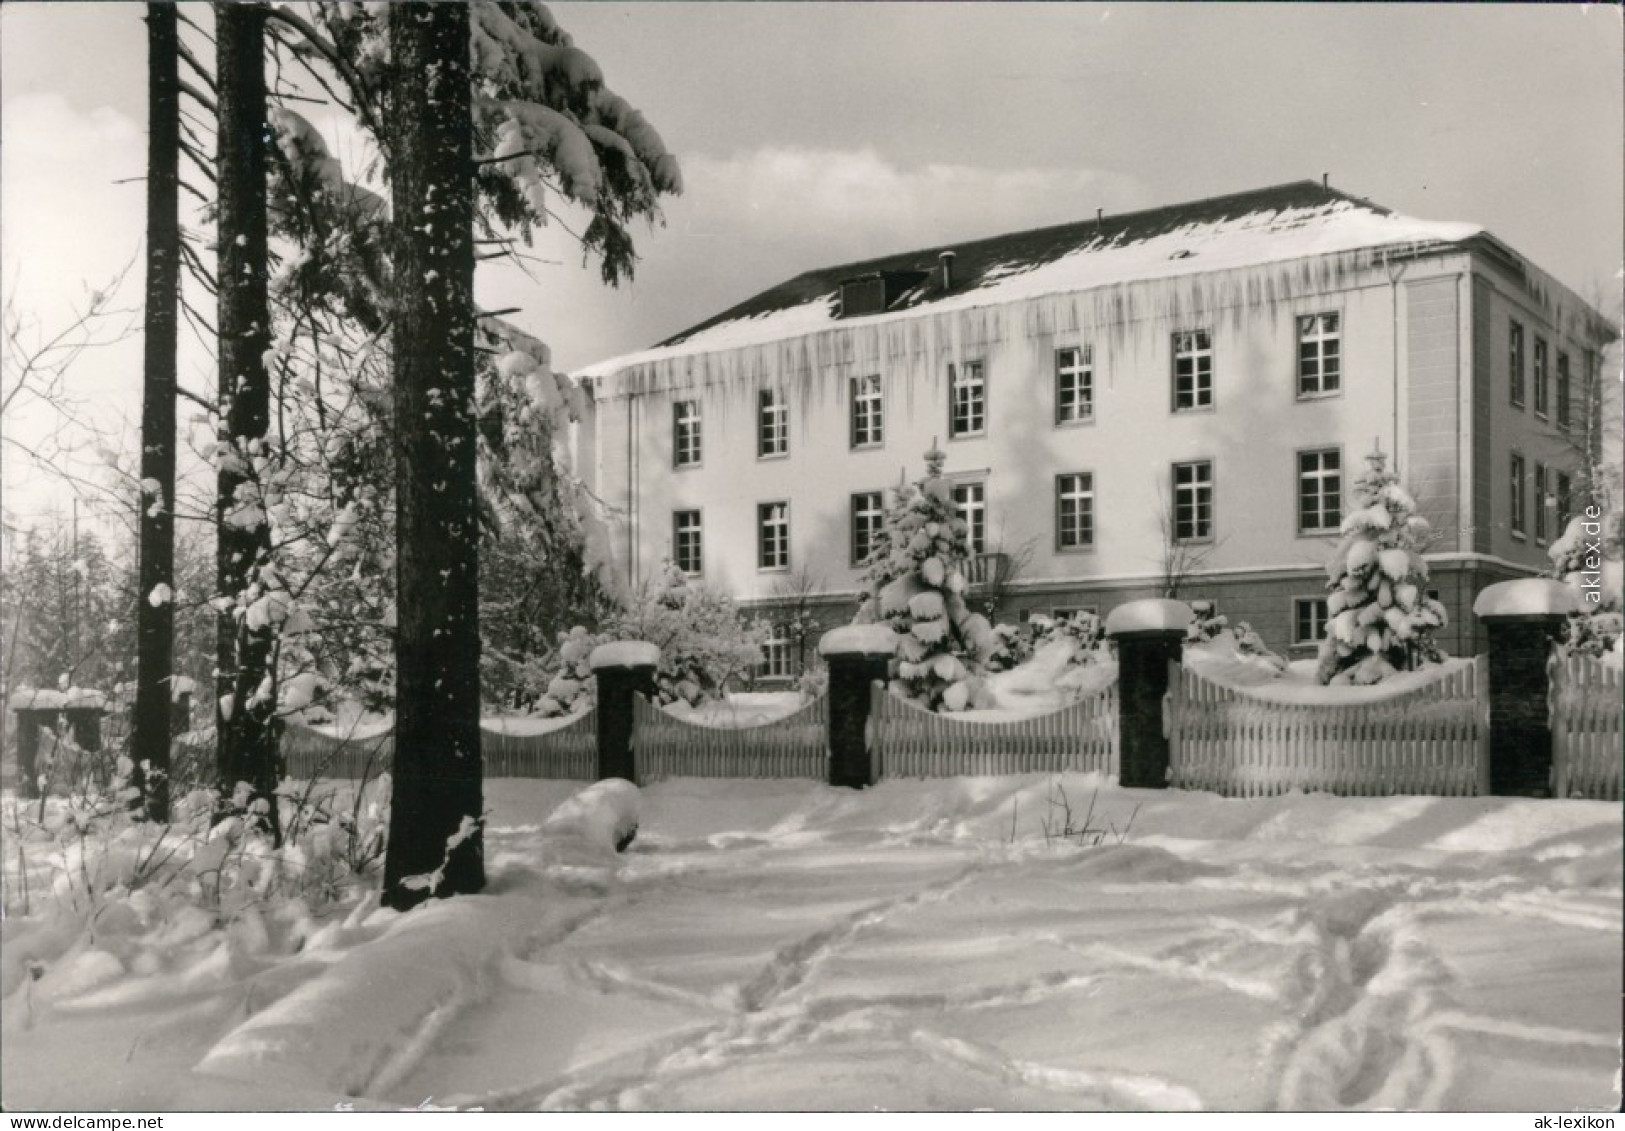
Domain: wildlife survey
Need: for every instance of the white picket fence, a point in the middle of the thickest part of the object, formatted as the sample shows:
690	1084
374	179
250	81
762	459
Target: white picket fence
570	752
665	746
1586	729
916	743
1432	740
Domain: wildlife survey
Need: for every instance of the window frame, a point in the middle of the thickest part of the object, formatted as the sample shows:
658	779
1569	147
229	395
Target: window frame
698	538
1325	528
1542	489
1211	485
1541	379
853	516
696	424
1517	512
1565	392
776	645
772	401
1316	602
1301	338
763	539
857	395
1083	373
1515	359
977	544
1563	490
1197	354
977	384
1087	515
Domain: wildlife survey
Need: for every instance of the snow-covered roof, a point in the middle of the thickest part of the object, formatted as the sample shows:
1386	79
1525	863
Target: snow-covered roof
1273	225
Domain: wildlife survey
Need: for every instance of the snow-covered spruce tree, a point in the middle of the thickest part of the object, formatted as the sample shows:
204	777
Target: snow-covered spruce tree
1381	618
915	581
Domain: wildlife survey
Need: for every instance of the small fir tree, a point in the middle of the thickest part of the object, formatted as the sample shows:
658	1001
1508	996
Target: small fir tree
1381	618
916	583
1588	558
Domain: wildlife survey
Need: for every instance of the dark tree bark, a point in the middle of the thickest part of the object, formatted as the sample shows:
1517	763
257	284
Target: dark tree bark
437	770
155	623
247	729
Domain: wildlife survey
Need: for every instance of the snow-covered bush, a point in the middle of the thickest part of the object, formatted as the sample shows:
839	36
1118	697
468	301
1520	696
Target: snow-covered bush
915	582
1206	623
1249	643
1588	557
603	817
1381	618
703	643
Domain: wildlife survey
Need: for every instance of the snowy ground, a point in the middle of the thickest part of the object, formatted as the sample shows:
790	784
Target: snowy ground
920	945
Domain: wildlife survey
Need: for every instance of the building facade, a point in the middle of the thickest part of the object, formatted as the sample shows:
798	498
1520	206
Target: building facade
1166	402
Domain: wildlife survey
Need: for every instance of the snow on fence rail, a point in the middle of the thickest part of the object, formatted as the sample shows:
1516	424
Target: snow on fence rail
796	746
1430	740
569	751
1586	729
915	743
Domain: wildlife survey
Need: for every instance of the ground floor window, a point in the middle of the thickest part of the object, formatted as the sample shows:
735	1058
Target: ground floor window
1308	620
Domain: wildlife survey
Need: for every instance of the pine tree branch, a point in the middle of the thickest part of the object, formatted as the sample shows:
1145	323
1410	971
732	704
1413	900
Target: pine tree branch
198	96
184	53
339	63
204	165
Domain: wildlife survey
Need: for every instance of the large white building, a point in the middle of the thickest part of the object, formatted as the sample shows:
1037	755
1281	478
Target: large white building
1188	390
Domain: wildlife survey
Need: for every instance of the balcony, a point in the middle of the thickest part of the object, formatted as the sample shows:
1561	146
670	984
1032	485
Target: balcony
984	571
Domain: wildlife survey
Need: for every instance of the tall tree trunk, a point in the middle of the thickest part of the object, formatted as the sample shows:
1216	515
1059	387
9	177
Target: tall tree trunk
155	619
437	802
246	721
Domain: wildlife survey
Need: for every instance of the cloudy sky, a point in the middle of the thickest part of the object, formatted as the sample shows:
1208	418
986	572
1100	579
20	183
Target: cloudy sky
816	133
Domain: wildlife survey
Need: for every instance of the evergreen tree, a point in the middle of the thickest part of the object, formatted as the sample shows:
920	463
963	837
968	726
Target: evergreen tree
916	583
436	846
155	595
246	580
1381	618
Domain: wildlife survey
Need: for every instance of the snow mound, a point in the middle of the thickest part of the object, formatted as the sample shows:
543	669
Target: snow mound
739	711
859	639
602	817
624	654
1155	615
1524	597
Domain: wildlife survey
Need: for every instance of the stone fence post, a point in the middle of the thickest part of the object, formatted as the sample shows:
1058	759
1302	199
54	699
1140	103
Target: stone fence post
35	710
622	668
857	654
1149	635
1524	619
84	710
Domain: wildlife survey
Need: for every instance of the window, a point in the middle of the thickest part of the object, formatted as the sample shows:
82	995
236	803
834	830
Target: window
970	499
776	662
1565	503
773	536
1542	385
1308	620
868	413
1193	501
1320	491
1563	390
868	515
1074	511
685	444
772	424
1517	495
1515	362
1320	354
1193	370
1541	503
967	400
686	549
1074	384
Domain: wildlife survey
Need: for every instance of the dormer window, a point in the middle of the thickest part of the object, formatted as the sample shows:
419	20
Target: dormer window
877	292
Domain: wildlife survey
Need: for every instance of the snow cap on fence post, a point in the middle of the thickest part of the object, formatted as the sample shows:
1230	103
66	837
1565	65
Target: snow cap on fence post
858	655
1523	619
622	668
1149	635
